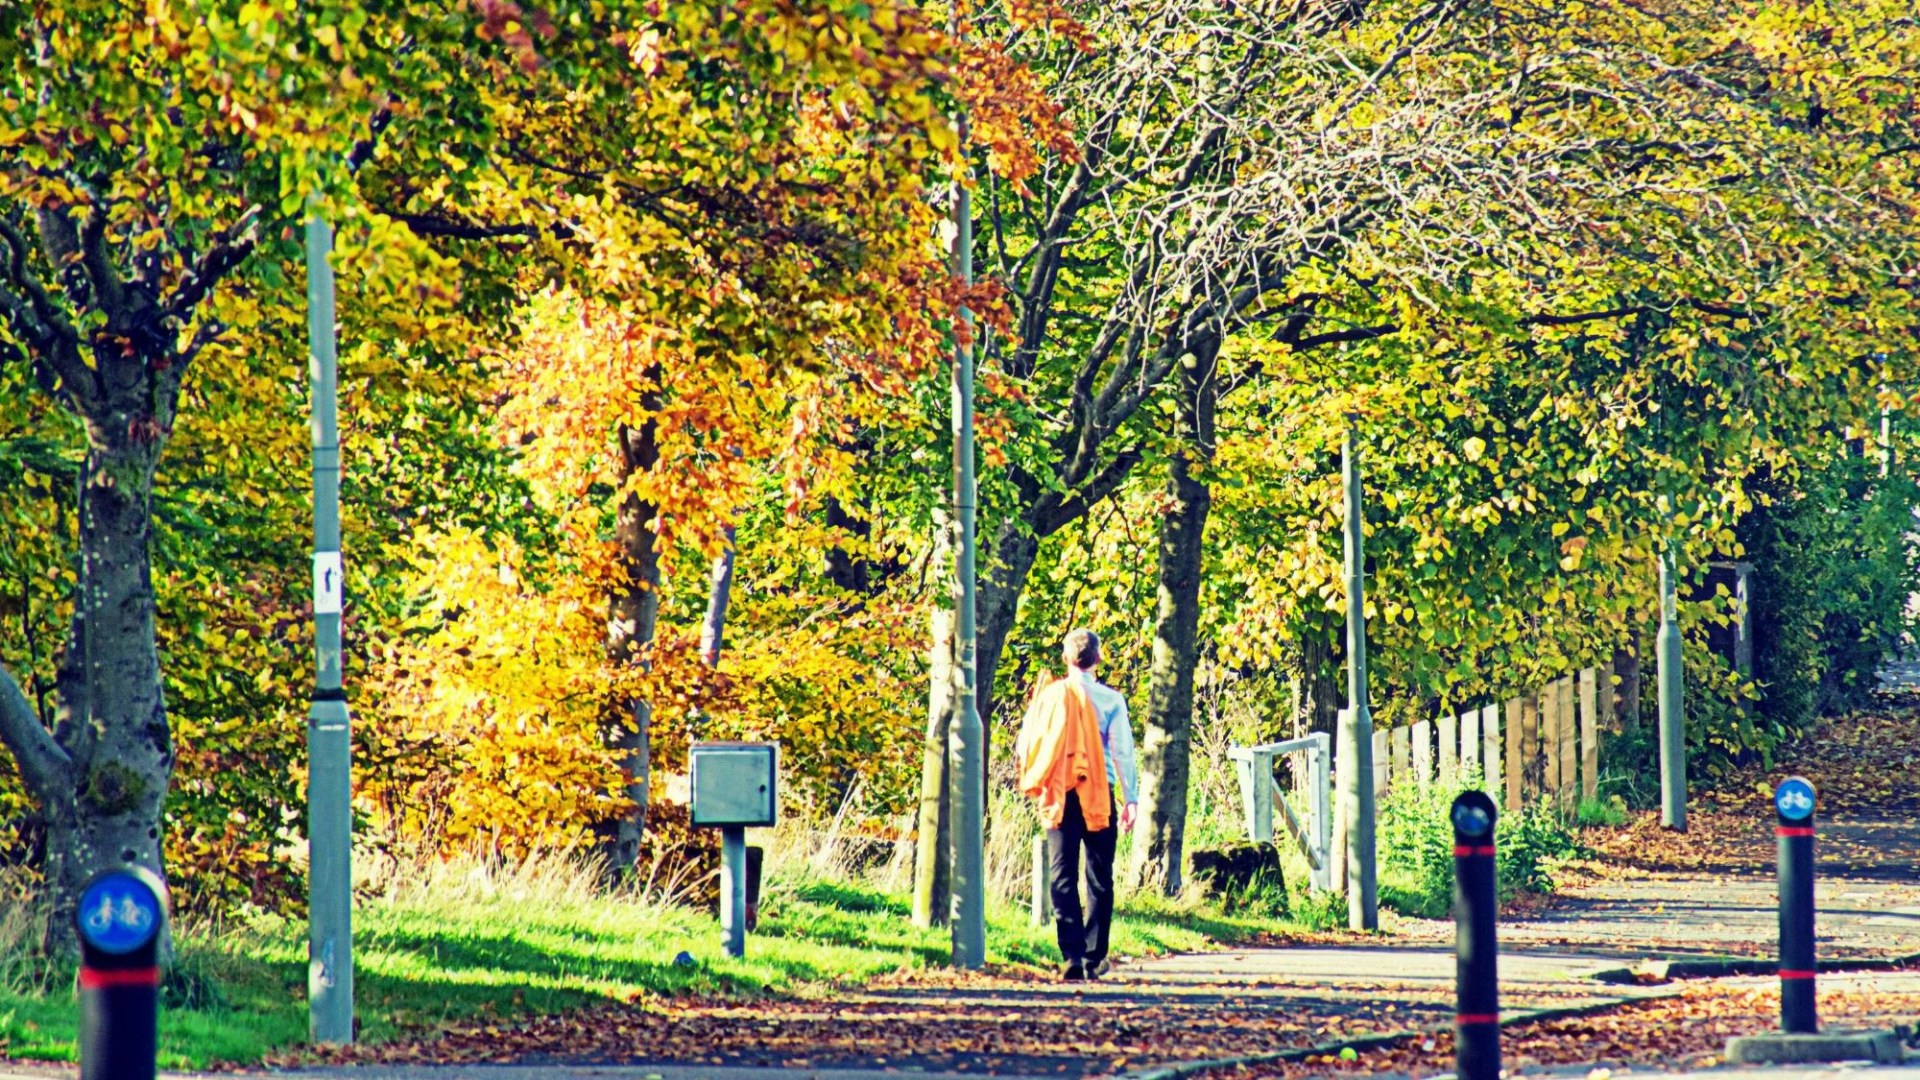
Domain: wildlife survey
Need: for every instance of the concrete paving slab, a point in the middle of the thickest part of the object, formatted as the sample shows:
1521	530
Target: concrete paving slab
1777	1047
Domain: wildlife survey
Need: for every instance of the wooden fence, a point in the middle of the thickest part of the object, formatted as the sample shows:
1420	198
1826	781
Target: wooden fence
1540	747
1543	746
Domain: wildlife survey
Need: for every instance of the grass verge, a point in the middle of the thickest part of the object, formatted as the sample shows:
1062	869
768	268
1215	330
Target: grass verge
473	940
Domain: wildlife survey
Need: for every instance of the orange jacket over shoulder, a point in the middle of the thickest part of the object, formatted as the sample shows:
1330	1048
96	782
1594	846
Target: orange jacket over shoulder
1059	752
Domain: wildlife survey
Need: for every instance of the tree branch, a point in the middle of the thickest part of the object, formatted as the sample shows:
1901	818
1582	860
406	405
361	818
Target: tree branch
46	768
457	229
1046	522
235	244
33	314
1337	337
362	151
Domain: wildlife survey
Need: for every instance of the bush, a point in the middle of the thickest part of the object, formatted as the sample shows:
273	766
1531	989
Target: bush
1243	878
1415	844
1610	811
1315	910
1834	568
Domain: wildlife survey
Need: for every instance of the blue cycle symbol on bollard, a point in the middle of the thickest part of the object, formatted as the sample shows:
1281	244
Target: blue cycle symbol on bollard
1794	798
119	912
1471	818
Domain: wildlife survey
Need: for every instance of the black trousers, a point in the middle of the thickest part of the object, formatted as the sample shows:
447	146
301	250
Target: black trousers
1083	939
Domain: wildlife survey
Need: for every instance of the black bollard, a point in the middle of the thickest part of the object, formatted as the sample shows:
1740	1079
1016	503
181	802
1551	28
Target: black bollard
1793	800
119	921
1476	1038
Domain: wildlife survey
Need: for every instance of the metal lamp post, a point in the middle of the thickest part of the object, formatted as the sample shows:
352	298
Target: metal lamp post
1673	732
1356	743
329	752
967	773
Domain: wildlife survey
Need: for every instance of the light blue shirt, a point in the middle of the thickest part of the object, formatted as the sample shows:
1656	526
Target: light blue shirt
1116	734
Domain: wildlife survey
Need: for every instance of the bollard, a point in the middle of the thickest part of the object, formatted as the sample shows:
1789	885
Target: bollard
1793	800
1476	1039
119	921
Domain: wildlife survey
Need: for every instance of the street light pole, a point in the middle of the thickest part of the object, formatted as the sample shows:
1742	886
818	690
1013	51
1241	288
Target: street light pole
329	753
967	775
1673	731
1356	773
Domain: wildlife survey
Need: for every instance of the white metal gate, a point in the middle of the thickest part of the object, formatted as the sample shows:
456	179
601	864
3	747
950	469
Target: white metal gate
1261	794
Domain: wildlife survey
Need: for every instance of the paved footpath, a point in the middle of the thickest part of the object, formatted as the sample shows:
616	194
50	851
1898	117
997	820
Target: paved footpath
1863	912
1218	1005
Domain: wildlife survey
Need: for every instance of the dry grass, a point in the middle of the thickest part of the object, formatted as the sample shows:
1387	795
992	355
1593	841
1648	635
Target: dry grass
22	922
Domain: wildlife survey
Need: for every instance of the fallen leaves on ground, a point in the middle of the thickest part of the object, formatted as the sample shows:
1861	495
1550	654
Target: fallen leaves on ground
965	1022
1013	1019
1688	1030
1863	766
1862	763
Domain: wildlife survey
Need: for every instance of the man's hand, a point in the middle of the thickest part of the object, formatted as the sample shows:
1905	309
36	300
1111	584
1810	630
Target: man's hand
1127	814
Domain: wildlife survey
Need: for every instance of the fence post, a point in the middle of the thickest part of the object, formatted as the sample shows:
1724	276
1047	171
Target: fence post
1449	726
1319	767
1337	851
1569	748
1491	763
1533	770
1470	745
1344	764
1518	740
1589	734
1256	776
1382	777
1422	752
1550	740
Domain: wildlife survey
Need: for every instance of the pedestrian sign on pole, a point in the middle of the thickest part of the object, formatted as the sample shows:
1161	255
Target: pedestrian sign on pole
326	582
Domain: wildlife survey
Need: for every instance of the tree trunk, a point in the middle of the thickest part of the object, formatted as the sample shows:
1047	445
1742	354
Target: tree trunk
1319	694
719	593
1160	833
101	776
998	603
932	857
1626	664
851	571
633	610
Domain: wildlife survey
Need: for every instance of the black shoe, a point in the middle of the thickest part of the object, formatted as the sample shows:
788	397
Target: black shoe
1074	972
1099	969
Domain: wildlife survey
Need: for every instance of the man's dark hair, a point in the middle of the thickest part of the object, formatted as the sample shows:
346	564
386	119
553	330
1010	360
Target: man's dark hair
1081	648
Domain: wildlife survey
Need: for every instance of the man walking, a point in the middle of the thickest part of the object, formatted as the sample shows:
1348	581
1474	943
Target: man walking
1076	759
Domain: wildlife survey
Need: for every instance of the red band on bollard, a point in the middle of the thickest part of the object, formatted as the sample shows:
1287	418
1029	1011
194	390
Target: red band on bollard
1796	974
1463	850
1793	830
1477	1018
95	979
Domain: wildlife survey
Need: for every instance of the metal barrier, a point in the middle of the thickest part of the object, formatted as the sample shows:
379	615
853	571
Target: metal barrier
1260	794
